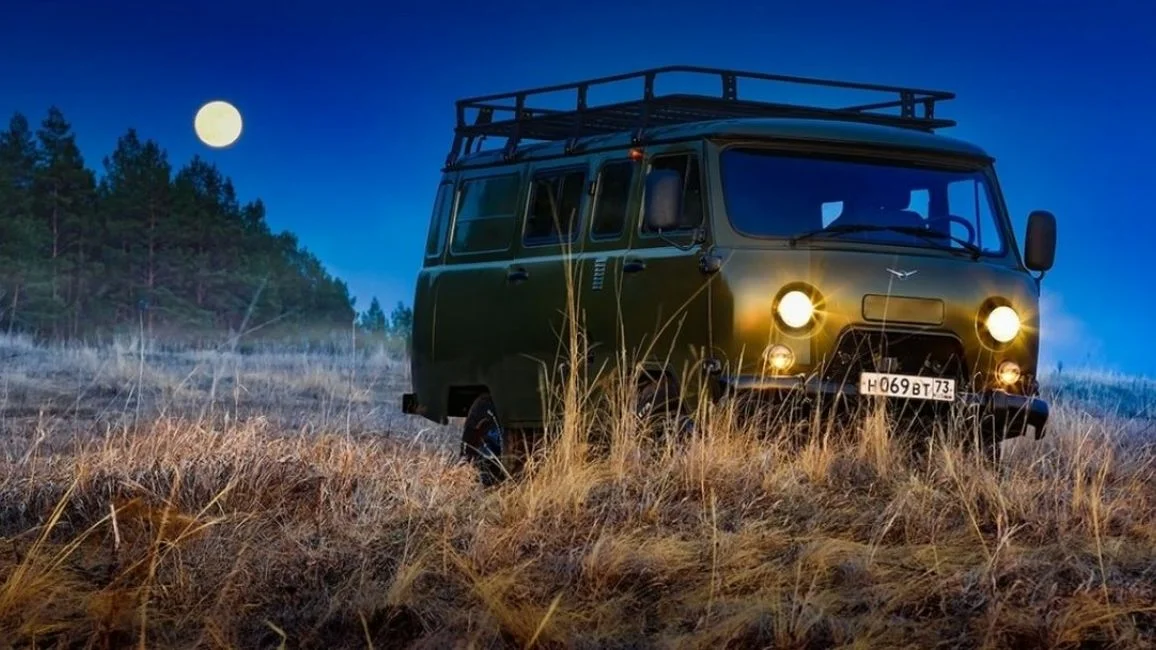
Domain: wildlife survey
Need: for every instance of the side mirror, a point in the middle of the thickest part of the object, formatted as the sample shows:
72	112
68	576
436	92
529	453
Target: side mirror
663	199
1040	242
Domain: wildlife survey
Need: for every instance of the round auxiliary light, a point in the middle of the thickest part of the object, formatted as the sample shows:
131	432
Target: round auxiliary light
796	309
1008	372
1003	323
779	357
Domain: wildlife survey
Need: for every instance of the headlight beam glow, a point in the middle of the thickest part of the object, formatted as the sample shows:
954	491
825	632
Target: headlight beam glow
1003	323
796	309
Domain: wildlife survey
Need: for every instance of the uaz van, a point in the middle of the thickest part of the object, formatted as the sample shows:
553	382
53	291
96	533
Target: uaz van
771	248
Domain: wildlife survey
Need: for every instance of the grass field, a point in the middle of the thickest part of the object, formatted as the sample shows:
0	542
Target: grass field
277	499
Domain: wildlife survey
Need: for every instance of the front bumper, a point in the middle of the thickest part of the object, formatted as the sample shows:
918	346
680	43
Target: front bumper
1004	414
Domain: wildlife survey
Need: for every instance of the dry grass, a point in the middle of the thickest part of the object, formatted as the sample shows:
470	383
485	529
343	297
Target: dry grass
205	500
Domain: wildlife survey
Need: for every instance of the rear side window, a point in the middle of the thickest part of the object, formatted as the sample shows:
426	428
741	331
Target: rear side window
614	184
443	202
692	196
555	206
486	214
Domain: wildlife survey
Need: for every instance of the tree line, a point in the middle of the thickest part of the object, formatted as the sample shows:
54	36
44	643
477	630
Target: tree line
145	245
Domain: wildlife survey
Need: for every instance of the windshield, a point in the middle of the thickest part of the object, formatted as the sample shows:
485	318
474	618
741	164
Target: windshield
773	194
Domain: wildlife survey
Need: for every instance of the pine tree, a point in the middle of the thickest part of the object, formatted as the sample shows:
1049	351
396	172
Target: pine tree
373	318
401	321
21	234
65	201
137	207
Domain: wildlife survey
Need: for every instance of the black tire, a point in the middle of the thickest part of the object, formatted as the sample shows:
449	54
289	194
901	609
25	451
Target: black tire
991	451
482	440
497	451
658	405
984	445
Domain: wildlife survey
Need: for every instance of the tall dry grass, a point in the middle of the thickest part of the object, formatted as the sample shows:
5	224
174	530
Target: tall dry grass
222	526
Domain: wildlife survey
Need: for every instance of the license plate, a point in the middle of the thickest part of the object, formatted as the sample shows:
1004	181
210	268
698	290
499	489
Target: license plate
906	386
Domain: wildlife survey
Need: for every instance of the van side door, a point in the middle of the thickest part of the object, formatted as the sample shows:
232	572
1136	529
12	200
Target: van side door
540	281
615	202
665	306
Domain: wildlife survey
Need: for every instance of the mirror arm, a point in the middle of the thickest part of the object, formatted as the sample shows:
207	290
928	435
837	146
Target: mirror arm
699	238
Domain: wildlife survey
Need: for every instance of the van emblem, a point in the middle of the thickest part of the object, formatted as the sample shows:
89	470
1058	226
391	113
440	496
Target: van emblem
902	275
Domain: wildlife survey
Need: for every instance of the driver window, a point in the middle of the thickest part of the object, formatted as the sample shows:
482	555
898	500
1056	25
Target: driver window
968	201
693	205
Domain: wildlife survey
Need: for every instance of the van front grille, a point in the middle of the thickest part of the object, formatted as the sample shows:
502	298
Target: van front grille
909	353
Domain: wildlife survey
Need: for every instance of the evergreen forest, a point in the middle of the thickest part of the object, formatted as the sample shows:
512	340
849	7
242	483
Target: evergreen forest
145	245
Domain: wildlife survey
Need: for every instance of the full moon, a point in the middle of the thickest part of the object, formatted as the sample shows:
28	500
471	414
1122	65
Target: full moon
218	124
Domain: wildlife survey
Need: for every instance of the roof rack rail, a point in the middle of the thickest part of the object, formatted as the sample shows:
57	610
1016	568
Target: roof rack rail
517	122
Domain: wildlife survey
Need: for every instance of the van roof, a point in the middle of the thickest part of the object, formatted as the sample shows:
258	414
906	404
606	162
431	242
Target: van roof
758	128
520	118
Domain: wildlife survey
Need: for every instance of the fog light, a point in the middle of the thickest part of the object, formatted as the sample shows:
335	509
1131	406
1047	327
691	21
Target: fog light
1008	373
779	357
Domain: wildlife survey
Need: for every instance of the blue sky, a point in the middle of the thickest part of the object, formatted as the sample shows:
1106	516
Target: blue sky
349	107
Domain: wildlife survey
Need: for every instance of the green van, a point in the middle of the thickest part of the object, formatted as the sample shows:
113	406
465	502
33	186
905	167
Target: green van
762	247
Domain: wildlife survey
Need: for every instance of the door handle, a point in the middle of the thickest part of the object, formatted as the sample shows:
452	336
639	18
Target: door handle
633	266
517	274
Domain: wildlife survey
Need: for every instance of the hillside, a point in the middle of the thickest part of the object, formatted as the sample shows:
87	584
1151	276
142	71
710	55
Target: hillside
212	499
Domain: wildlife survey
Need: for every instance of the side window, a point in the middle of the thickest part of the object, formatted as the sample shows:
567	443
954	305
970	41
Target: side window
443	202
969	199
692	196
555	207
614	185
486	214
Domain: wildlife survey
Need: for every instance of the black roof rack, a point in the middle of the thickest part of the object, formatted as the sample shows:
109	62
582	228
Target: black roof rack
496	117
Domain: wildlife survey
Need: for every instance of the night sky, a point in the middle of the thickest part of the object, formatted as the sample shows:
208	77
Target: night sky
348	108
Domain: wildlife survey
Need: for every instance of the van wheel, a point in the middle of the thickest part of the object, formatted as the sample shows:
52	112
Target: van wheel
481	443
989	451
489	446
658	404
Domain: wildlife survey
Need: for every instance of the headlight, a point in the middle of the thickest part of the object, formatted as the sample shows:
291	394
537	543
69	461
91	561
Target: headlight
1003	323
796	309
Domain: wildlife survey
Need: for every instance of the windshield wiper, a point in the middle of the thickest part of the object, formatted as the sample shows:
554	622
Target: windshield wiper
903	230
935	234
836	230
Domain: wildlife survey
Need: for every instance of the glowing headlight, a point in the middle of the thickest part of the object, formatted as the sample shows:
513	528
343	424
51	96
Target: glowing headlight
1003	323
796	309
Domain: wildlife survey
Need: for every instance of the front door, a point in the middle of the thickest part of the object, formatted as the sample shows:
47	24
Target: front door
665	306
